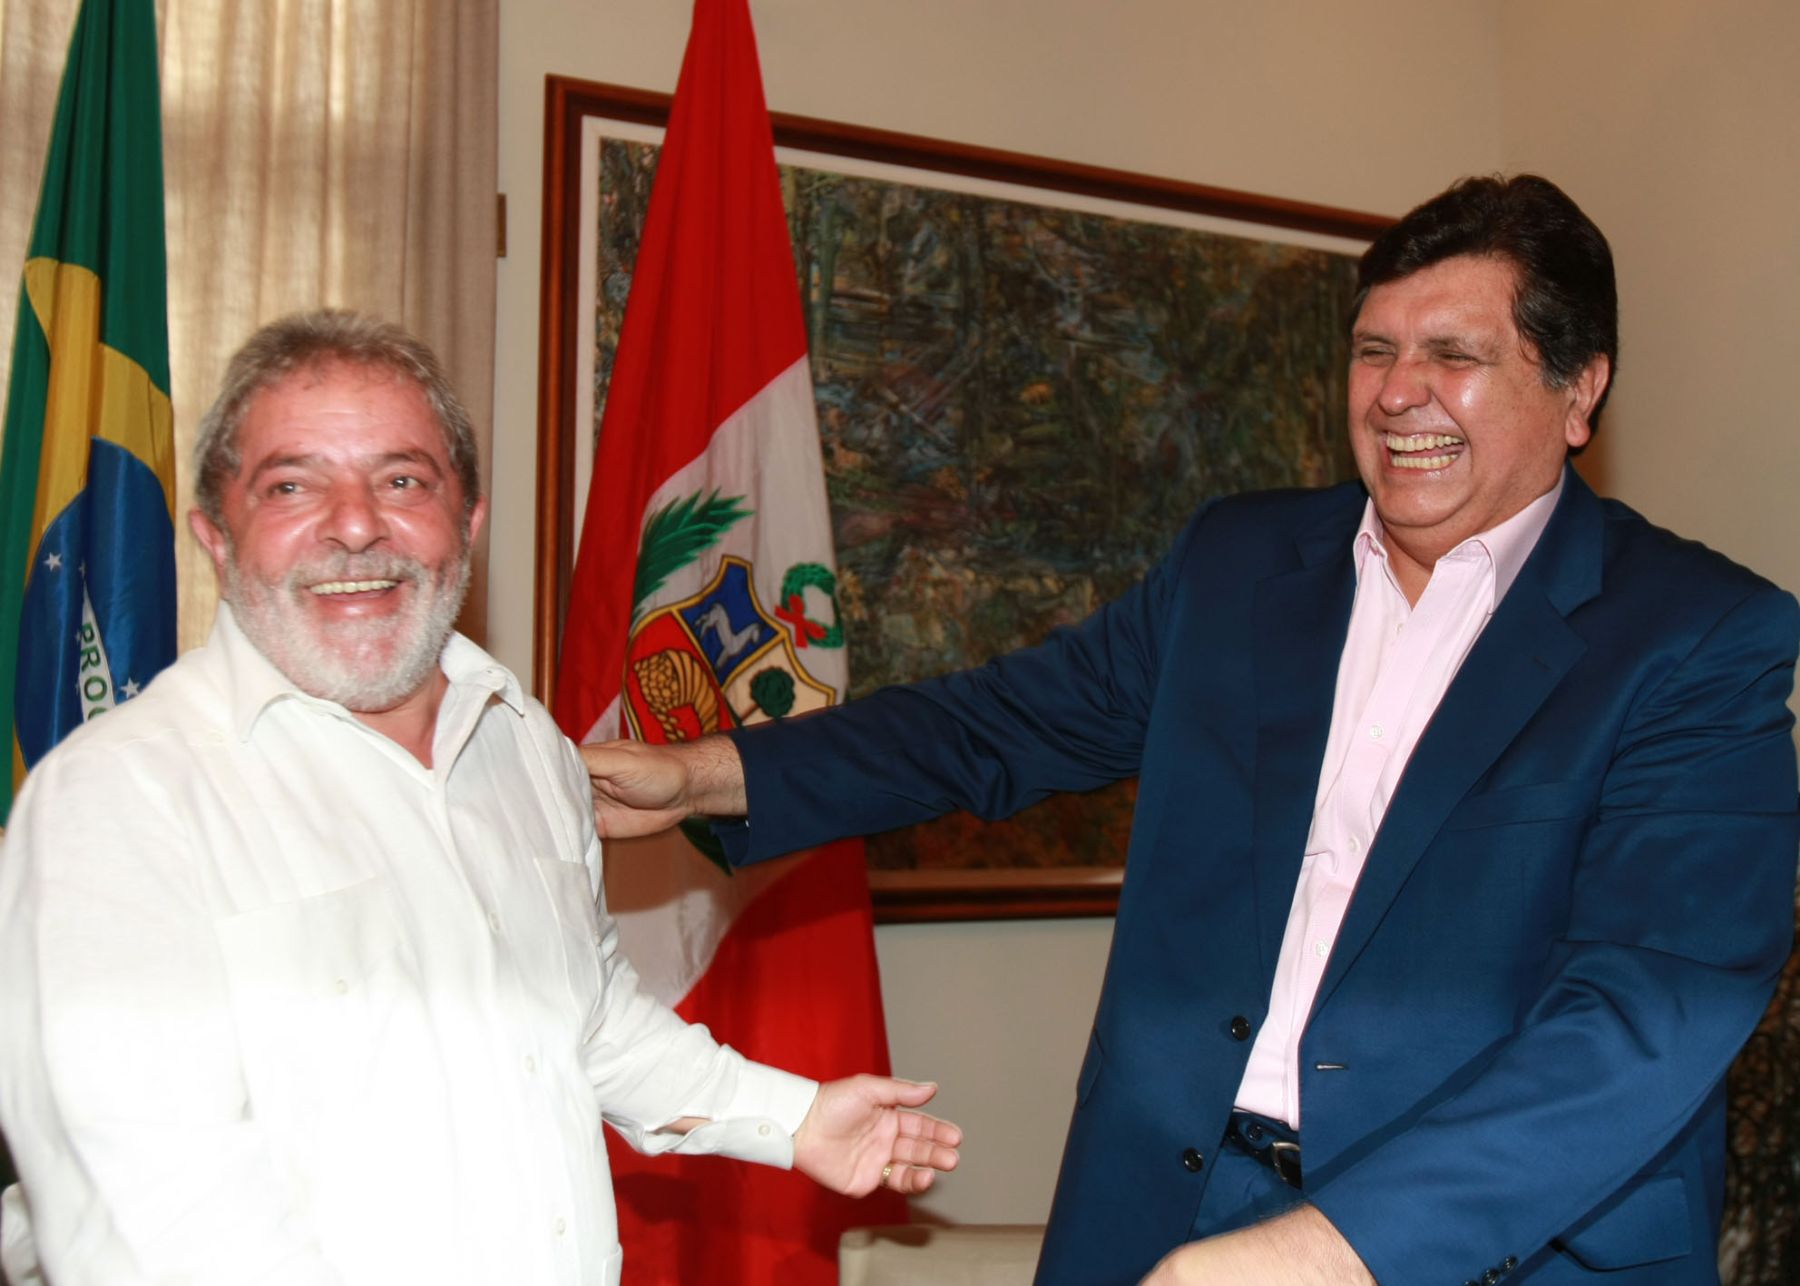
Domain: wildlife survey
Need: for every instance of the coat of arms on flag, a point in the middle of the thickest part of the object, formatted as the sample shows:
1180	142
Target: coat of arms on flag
716	661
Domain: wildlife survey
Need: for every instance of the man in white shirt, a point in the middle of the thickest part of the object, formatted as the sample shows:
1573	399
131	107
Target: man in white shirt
302	978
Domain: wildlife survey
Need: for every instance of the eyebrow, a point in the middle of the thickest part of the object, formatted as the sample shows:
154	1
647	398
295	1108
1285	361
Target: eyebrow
272	463
1466	343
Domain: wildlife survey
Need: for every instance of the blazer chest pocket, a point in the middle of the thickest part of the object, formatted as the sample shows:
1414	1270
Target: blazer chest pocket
1522	805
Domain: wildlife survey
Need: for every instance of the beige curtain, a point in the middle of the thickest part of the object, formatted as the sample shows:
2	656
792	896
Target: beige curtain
315	152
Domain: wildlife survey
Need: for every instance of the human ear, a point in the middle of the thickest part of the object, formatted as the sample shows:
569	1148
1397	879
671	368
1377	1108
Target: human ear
212	539
1585	391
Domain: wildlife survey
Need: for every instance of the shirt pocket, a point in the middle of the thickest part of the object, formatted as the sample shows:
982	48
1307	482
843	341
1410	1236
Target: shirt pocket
326	1002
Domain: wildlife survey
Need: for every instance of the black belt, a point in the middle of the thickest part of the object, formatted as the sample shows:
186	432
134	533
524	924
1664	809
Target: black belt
1273	1143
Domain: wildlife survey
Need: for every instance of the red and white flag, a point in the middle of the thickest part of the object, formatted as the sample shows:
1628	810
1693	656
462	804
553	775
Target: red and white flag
703	598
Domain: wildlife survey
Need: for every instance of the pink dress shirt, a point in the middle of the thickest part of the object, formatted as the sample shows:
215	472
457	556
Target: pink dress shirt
1397	663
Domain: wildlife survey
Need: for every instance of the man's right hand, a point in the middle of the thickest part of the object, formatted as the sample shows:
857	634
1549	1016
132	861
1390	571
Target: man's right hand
641	789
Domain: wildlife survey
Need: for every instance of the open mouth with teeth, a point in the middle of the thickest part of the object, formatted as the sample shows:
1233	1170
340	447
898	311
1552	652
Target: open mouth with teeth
333	588
1421	450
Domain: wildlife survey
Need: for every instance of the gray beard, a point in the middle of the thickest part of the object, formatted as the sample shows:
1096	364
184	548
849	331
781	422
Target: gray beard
364	666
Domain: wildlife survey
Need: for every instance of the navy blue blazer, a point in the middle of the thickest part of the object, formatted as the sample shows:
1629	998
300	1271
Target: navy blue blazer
1571	918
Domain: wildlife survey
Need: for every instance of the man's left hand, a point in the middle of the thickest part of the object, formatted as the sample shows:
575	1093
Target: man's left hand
859	1135
1299	1248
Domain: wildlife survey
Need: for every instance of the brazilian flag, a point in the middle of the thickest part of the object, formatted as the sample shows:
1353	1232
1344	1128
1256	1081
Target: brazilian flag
87	474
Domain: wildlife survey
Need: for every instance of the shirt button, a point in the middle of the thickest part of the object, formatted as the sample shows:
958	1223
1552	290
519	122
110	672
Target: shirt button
341	987
763	1130
1321	949
561	1225
1355	845
1374	732
530	1063
494	921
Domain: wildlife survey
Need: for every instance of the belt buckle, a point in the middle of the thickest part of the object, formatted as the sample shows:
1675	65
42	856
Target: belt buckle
1285	1157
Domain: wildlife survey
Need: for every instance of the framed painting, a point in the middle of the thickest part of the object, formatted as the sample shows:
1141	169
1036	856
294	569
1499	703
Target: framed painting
1028	373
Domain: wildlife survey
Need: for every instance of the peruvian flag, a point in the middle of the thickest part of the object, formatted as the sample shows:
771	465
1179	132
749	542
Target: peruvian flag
704	598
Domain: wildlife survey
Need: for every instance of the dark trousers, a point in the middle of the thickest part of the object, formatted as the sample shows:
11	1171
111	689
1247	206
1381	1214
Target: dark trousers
1242	1190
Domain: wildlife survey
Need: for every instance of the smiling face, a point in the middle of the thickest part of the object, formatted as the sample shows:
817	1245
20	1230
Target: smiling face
1453	428
344	551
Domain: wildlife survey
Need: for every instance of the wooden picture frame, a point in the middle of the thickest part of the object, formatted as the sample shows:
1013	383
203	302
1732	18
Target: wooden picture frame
572	107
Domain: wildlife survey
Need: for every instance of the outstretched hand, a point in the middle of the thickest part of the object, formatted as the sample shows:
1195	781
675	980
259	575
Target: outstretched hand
641	789
859	1135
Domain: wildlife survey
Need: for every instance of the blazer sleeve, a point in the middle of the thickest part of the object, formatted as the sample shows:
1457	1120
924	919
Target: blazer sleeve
1067	715
1681	915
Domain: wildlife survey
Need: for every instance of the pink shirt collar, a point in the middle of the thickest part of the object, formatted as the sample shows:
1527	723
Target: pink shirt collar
1506	546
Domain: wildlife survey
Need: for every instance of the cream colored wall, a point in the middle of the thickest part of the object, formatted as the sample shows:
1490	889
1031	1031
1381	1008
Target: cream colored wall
1373	106
1677	126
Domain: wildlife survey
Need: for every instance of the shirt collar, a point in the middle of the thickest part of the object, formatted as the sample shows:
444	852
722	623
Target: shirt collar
253	684
1507	545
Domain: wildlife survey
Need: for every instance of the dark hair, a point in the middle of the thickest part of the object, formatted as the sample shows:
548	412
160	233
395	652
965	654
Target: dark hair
307	341
1566	305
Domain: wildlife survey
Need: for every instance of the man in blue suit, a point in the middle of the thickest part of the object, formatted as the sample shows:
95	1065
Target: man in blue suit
1463	860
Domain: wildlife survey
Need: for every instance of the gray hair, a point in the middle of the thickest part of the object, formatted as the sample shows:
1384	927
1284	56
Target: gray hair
307	341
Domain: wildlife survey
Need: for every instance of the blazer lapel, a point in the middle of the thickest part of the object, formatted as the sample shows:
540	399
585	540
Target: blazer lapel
1517	662
1301	619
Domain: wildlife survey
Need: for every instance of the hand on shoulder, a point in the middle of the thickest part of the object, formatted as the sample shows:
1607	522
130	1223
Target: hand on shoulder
640	789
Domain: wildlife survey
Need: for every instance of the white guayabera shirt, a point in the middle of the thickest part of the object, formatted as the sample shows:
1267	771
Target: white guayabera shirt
280	1004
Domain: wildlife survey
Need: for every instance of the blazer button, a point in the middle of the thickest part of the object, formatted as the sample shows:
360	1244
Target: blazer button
1240	1028
1191	1161
1508	1264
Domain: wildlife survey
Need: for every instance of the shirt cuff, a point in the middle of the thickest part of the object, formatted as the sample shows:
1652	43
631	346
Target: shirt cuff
756	1124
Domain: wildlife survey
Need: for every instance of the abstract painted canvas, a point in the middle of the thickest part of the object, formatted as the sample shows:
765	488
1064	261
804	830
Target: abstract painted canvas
1020	405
